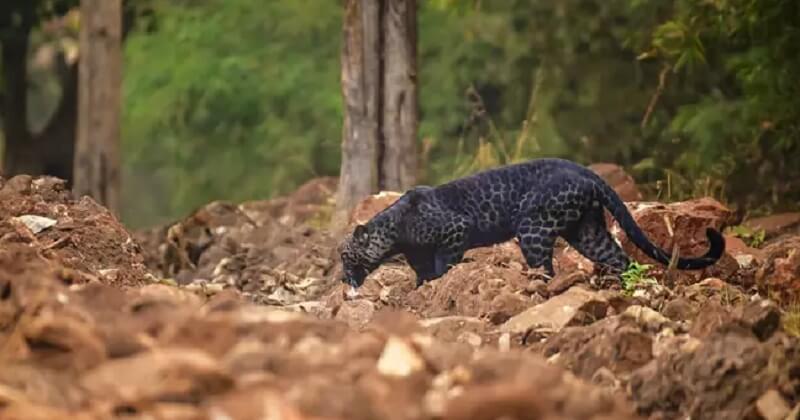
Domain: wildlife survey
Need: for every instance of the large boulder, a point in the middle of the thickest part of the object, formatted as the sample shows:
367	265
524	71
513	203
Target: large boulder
619	180
574	307
367	208
779	276
683	223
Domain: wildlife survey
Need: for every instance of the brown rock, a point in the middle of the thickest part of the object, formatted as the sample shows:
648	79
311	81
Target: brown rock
30	383
473	288
680	309
356	313
448	328
372	205
253	404
63	339
722	378
715	290
27	411
155	294
772	406
683	222
165	374
620	344
763	316
779	276
775	224
505	305
574	307
647	318
563	281
505	385
746	257
399	358
619	180
711	318
567	260
513	401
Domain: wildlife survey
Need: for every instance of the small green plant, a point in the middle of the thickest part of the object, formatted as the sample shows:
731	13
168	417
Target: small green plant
791	319
635	275
753	238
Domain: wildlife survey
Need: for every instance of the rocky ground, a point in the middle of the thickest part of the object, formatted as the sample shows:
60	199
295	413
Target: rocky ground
235	313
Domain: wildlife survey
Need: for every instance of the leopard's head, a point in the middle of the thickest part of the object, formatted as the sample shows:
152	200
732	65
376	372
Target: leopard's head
361	253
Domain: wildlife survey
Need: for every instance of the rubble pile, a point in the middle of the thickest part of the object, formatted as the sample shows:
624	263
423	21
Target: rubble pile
236	313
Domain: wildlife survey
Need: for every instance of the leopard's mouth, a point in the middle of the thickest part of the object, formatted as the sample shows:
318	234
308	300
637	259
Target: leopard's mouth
355	277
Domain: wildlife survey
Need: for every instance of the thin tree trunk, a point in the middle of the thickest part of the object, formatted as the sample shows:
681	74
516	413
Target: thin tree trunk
379	85
361	91
57	139
399	160
97	157
20	155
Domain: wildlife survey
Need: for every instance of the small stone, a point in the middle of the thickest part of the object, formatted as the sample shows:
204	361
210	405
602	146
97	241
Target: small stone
538	287
399	359
562	282
605	377
647	317
667	342
504	342
679	309
470	338
763	316
214	288
356	313
744	260
575	306
713	317
772	406
448	328
36	223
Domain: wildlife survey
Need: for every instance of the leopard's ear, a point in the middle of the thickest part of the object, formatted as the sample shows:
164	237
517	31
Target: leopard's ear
361	233
416	194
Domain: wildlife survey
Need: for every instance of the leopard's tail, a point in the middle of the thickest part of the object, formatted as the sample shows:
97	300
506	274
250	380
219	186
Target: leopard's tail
614	204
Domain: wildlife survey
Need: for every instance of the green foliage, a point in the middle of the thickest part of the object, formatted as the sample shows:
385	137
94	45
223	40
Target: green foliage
747	121
635	276
240	99
230	99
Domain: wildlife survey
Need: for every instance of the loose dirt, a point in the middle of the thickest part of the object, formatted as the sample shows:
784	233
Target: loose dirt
236	312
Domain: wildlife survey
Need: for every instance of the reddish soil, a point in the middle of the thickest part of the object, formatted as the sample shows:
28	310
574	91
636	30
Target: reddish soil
239	315
86	238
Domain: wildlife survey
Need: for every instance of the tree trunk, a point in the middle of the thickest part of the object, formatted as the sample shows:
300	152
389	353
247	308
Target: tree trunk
20	155
399	160
57	140
361	92
379	86
97	157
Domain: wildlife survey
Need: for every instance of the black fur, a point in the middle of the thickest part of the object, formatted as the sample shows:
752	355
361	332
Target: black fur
535	201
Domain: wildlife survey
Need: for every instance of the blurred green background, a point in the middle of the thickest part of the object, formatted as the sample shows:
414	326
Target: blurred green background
240	99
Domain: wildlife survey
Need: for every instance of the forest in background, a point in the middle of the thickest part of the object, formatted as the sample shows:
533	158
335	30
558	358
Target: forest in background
241	99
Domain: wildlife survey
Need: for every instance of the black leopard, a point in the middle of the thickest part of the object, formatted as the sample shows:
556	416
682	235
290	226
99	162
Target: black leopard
535	201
